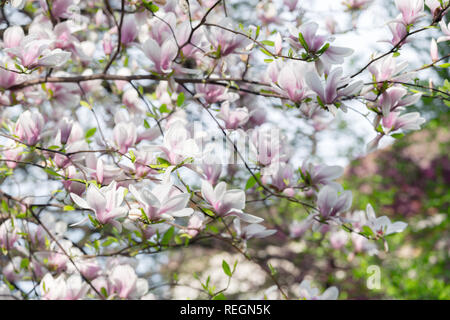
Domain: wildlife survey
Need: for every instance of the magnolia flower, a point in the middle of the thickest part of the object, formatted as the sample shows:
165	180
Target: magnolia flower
445	29
60	8
195	224
211	169
162	56
8	78
29	126
33	52
233	118
105	202
355	4
12	37
434	53
227	203
163	202
64	129
291	82
253	230
308	292
338	239
433	5
178	144
399	33
129	30
121	282
393	99
225	41
281	175
14	153
322	174
330	94
314	43
330	204
61	288
125	136
382	226
387	69
211	92
8	234
291	4
411	10
269	146
407	121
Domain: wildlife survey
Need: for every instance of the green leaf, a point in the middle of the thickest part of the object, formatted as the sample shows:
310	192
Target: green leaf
268	43
302	41
163	108
226	268
68	208
220	296
90	132
397	135
180	99
51	172
85	104
167	236
444	65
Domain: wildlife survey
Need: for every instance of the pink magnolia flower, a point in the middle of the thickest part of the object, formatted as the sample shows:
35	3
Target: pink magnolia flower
227	42
64	129
269	146
60	8
62	288
8	78
107	43
9	234
308	292
322	174
330	94
122	282
399	33
233	118
29	127
291	4
330	204
195	224
34	52
382	226
408	121
227	203
104	202
338	239
315	42
433	5
253	230
163	202
178	144
211	92
356	4
162	56
411	10
129	30
280	175
446	30
14	153
393	99
125	136
291	83
387	69
12	37
211	169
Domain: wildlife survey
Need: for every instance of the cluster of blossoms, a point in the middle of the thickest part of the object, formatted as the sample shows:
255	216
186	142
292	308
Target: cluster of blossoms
106	105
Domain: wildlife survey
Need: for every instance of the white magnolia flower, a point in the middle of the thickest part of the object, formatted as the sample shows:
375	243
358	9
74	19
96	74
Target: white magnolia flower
308	292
